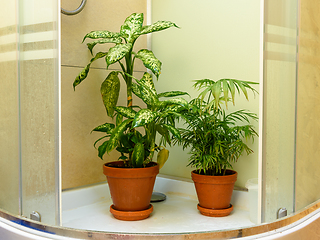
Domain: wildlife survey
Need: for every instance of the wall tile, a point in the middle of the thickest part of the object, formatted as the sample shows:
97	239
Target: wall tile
82	110
97	15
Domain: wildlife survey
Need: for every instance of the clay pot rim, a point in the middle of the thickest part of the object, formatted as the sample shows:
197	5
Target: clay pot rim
119	172
227	179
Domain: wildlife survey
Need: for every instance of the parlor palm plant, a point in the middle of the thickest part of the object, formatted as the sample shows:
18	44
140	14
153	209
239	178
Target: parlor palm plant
216	139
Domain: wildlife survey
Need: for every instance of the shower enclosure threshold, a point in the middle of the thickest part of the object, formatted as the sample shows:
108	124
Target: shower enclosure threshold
88	209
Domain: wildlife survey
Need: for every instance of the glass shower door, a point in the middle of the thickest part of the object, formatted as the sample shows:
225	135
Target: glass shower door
9	114
30	109
280	77
39	108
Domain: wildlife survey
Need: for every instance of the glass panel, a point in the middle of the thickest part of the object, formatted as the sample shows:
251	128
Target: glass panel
39	106
279	106
308	114
9	134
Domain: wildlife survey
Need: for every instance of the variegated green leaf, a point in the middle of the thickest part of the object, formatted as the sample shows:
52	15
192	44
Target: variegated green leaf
147	81
175	132
117	52
172	94
174	101
145	94
102	41
127	112
110	89
173	108
150	61
143	117
131	27
107	128
136	90
157	26
116	134
84	73
138	155
101	34
119	119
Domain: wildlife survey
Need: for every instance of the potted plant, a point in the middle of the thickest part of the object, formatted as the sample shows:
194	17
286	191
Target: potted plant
132	177
216	139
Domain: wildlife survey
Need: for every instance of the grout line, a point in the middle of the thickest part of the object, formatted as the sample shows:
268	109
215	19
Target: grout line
75	66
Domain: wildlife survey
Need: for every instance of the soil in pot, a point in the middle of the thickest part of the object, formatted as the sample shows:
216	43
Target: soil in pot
130	189
214	193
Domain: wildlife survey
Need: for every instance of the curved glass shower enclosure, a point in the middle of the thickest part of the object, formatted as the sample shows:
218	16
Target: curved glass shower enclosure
45	141
30	111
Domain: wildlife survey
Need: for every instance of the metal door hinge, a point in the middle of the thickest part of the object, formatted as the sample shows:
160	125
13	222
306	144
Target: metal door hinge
282	212
35	216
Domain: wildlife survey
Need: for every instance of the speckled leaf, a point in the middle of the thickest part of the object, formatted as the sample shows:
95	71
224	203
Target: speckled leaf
107	128
102	41
172	94
110	89
127	112
150	61
138	155
147	81
84	73
157	26
116	134
119	119
145	94
143	117
173	108
132	27
117	52
101	34
136	90
175	132
162	157
174	101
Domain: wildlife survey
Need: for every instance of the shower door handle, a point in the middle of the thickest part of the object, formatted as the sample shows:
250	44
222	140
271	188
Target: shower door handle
79	9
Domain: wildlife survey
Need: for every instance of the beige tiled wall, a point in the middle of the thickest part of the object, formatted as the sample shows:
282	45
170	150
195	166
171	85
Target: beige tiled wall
82	109
308	123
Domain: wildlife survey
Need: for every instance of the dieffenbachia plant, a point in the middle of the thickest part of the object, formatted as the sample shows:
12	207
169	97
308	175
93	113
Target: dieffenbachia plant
159	117
156	118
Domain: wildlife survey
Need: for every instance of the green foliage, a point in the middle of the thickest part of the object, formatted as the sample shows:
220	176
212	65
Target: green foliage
216	138
159	116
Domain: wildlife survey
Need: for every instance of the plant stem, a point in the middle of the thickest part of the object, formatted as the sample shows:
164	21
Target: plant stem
128	78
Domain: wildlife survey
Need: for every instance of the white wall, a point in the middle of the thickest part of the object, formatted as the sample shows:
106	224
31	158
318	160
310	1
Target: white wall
217	39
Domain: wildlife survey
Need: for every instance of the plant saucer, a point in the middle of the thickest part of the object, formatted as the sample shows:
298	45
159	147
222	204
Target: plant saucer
131	215
215	212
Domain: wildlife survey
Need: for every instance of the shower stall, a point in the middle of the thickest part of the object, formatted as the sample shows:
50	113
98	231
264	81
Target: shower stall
46	149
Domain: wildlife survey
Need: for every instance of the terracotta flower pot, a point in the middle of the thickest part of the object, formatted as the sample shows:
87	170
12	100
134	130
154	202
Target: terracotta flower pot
130	189
214	193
